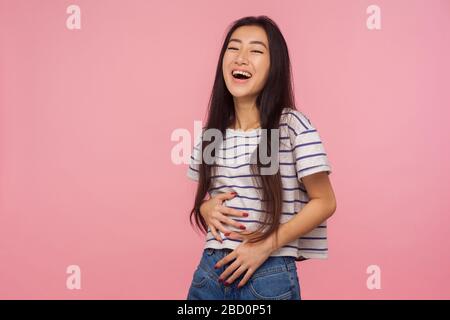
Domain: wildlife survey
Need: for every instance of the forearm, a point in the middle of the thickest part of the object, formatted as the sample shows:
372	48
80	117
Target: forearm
309	217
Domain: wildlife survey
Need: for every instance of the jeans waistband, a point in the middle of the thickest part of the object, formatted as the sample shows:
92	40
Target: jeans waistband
289	261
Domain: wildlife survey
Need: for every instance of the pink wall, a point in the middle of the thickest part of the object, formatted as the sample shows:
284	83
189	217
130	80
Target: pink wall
86	117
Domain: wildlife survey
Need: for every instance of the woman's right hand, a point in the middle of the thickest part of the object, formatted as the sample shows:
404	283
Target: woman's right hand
214	213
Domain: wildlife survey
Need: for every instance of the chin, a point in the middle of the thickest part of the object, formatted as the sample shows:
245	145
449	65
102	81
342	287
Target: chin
238	91
239	94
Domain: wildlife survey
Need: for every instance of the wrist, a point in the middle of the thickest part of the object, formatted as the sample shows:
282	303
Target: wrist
207	197
202	202
270	243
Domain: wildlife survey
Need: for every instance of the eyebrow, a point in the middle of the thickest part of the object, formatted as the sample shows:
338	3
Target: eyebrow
254	41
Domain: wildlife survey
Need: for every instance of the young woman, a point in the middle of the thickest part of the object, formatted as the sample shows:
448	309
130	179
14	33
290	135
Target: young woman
258	225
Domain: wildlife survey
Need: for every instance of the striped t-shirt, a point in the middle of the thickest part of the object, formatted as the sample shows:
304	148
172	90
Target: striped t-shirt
301	153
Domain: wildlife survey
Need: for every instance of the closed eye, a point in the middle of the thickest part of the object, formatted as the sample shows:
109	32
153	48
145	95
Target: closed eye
232	48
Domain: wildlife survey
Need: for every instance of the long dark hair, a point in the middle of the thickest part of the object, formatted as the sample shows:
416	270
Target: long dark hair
276	94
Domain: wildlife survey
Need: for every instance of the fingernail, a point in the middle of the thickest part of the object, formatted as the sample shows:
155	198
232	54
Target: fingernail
226	283
227	234
216	267
245	214
220	279
242	227
234	193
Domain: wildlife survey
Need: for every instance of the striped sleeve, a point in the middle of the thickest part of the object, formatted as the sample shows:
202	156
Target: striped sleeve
194	161
308	150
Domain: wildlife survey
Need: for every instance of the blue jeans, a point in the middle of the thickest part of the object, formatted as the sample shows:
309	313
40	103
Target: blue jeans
275	279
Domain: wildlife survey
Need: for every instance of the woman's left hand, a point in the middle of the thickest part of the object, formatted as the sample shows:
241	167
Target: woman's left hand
247	257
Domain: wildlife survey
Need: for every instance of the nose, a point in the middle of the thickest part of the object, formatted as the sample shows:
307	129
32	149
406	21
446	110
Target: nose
240	62
241	57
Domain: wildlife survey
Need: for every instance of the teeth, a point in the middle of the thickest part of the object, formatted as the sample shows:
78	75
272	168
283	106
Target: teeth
248	75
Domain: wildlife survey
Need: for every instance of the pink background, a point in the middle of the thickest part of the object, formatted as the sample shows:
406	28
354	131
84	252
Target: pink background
86	175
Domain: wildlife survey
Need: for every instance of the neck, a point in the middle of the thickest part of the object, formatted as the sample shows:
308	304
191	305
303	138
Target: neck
247	114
